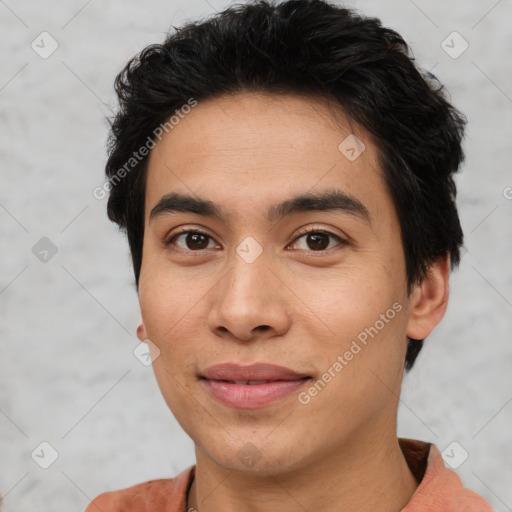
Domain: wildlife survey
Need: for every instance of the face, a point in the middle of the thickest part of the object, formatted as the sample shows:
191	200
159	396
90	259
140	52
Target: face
254	286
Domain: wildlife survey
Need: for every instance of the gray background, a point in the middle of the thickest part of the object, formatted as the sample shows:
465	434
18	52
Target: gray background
67	327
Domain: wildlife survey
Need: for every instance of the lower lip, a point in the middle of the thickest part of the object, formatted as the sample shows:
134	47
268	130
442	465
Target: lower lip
252	396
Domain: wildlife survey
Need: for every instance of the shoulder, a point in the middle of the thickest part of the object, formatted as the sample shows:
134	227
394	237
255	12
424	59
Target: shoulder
449	487
150	495
441	489
137	497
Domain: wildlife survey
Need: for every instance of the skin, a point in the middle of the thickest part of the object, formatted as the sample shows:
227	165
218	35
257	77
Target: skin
204	304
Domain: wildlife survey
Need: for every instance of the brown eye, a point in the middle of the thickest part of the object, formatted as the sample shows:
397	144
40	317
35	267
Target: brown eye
192	240
316	240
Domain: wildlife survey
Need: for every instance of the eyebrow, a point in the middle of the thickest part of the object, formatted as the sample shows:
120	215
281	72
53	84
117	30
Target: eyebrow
330	200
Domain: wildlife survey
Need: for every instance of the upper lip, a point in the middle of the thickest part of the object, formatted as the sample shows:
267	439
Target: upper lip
258	371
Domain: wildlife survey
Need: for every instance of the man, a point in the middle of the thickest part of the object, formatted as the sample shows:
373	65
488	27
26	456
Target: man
284	174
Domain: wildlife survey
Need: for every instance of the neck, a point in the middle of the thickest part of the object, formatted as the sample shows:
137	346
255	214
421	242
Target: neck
358	476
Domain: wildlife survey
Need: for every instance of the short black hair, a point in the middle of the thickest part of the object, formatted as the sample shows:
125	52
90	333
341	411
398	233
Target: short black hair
304	47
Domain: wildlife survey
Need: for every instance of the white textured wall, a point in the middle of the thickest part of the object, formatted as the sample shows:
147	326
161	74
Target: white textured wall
67	326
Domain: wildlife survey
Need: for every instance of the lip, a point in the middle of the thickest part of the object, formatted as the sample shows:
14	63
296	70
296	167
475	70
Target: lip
251	396
223	381
235	372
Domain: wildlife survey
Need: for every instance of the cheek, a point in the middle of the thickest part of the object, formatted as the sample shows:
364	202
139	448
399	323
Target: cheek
169	318
348	301
361	368
361	316
170	309
165	304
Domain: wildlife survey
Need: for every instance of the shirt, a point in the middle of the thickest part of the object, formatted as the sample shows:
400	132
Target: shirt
440	488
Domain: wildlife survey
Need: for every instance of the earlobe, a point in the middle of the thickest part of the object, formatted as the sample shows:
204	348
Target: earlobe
141	332
429	300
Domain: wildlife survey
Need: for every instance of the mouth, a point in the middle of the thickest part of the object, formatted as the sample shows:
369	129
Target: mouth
251	394
252	386
252	373
254	382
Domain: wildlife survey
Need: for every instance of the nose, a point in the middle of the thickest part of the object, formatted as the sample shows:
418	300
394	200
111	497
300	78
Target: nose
249	303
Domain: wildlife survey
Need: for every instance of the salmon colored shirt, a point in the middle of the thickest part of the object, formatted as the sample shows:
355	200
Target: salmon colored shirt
440	488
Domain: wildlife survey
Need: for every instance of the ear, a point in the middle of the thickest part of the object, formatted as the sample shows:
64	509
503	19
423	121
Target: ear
429	300
141	332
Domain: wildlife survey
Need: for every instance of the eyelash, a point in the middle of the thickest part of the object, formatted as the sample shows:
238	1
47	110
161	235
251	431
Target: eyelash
342	241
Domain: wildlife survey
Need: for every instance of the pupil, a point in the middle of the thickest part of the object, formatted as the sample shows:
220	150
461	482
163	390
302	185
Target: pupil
315	237
193	238
320	240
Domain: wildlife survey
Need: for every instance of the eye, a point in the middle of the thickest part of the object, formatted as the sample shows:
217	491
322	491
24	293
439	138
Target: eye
194	241
318	239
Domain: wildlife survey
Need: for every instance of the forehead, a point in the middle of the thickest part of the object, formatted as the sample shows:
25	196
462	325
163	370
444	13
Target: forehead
266	147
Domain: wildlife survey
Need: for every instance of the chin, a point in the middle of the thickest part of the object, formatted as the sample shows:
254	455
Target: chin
256	458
